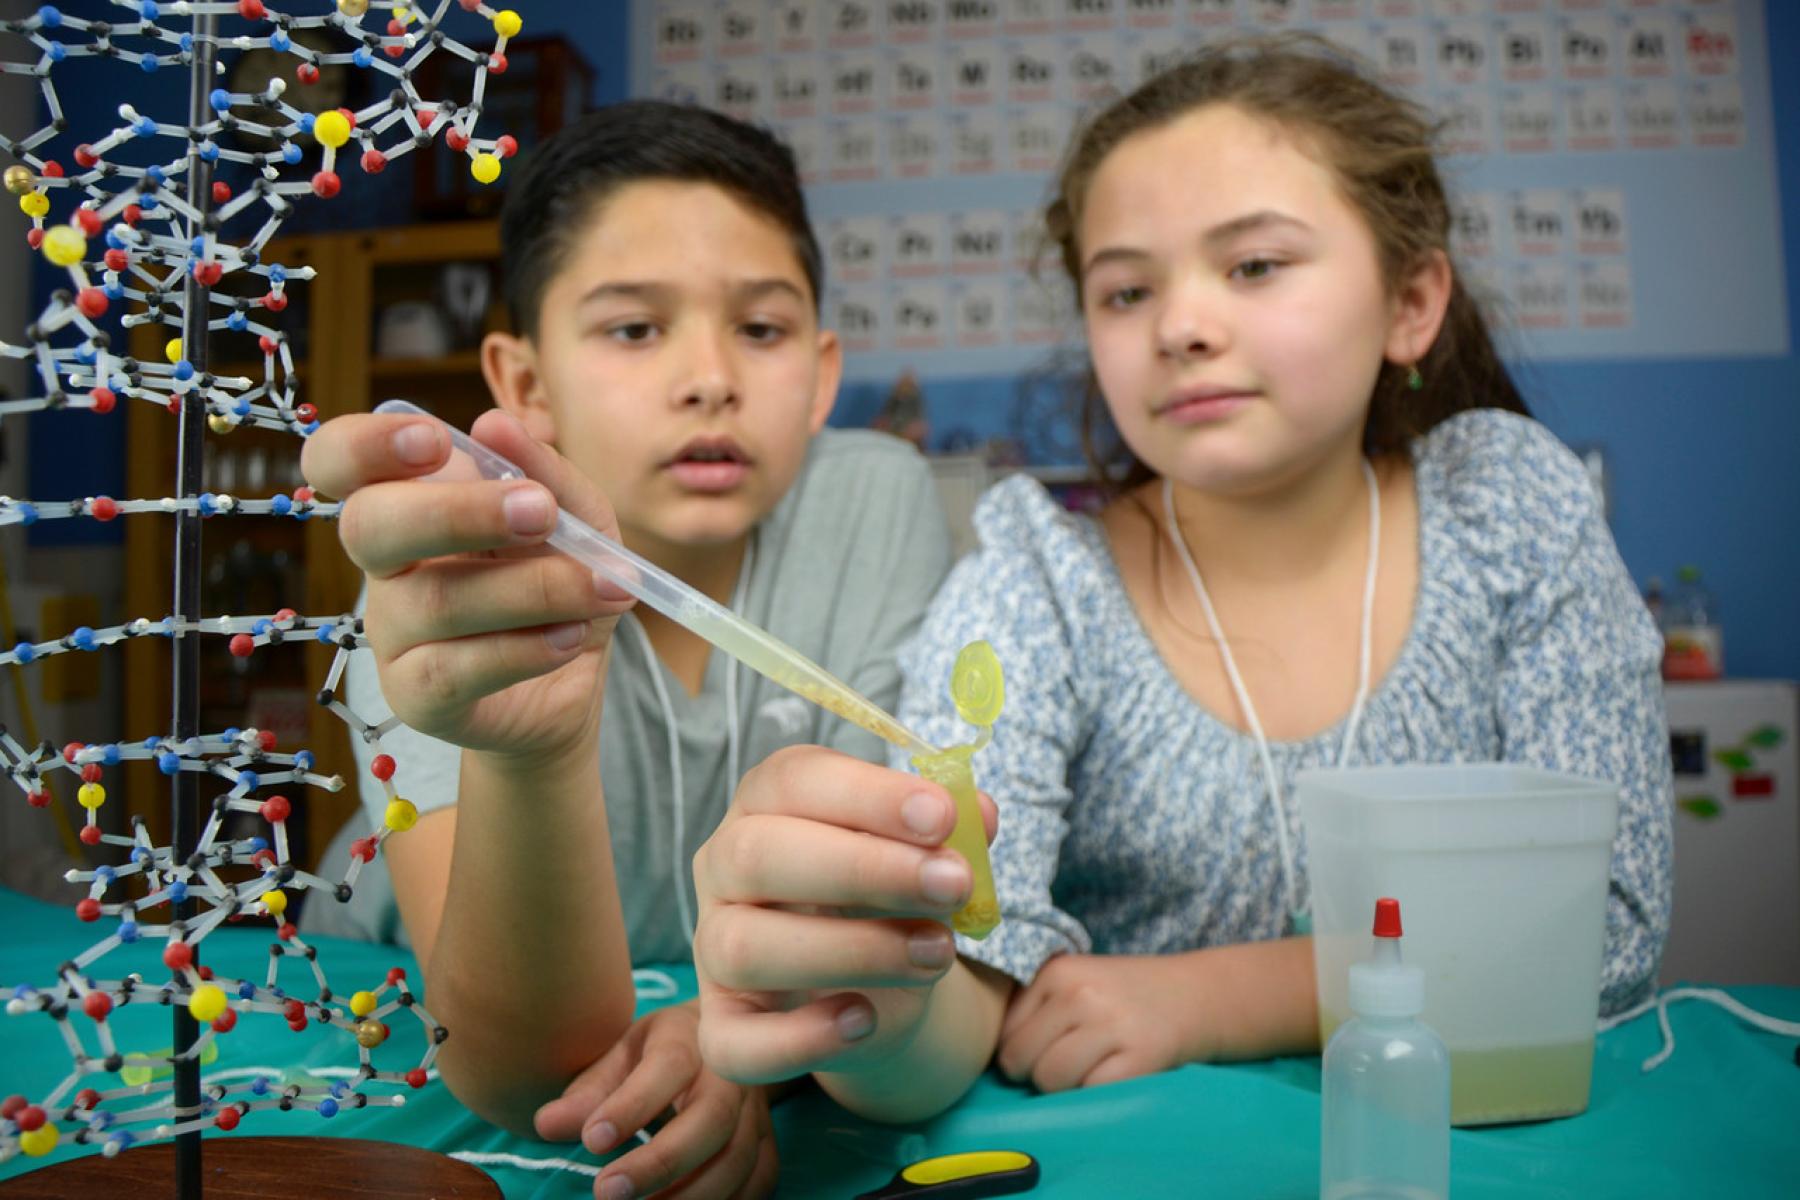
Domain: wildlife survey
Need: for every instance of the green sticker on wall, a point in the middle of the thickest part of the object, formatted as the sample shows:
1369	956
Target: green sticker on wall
1703	807
1766	738
1733	760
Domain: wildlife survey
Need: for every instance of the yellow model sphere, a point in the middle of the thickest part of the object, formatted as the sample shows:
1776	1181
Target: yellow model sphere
207	1002
331	129
401	815
64	245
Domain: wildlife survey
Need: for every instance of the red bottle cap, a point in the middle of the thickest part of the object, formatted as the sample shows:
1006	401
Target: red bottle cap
1387	917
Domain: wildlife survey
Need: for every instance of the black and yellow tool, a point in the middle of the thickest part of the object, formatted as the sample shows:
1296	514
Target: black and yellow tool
968	1176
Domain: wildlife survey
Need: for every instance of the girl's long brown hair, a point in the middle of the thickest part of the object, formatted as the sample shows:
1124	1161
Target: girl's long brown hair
1379	145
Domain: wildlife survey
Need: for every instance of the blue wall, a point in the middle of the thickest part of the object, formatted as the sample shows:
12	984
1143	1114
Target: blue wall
1704	455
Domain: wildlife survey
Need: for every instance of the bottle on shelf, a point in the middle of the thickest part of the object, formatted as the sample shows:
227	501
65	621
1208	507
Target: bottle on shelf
1693	644
1385	1089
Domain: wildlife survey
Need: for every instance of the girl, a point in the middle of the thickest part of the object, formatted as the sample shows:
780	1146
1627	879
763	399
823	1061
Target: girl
1336	538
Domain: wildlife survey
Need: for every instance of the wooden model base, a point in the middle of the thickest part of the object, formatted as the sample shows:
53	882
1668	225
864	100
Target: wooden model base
262	1168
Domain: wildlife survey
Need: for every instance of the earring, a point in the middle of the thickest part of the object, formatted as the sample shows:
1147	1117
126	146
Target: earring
1414	380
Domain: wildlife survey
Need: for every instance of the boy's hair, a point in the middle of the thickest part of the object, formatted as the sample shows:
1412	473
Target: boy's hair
581	165
1378	145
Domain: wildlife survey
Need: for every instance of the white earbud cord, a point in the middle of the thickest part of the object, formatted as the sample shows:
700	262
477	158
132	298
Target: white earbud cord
1243	695
678	850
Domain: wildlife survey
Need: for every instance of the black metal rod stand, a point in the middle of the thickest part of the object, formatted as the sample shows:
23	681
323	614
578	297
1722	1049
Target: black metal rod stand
189	462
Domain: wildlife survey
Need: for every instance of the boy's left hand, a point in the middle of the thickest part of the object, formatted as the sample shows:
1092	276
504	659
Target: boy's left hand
1089	1018
720	1143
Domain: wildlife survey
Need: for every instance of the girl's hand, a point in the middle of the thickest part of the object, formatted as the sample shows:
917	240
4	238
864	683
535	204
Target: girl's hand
720	1142
1089	1019
824	896
482	635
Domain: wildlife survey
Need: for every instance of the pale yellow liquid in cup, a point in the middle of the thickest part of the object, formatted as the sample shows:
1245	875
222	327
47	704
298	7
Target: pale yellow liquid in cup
1536	1082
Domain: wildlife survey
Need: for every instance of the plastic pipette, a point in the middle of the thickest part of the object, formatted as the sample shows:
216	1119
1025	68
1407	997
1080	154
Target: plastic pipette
976	687
750	645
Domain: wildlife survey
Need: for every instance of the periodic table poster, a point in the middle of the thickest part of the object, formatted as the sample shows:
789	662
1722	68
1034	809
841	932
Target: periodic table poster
1612	160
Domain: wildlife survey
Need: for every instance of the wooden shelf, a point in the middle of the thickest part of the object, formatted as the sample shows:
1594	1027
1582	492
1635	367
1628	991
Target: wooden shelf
450	241
462	362
339	312
251	368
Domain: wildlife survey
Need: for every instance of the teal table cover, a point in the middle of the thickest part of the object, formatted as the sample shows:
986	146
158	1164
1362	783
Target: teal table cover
1719	1118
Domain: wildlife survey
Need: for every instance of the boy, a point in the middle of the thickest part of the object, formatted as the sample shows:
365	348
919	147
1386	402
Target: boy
665	286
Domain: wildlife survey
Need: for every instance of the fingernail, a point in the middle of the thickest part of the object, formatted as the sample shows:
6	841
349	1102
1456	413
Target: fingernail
922	813
943	879
566	636
527	510
616	1187
855	1022
600	1137
930	950
417	444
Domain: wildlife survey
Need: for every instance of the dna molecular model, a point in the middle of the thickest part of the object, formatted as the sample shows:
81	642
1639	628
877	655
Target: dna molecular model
146	244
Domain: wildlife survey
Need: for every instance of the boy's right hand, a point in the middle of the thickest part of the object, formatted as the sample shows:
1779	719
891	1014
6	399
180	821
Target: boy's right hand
824	895
718	1143
483	636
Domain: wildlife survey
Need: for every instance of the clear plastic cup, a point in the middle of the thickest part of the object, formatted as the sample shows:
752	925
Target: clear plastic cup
1502	872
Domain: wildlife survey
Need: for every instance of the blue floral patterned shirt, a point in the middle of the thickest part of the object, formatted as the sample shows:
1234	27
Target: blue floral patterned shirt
1133	821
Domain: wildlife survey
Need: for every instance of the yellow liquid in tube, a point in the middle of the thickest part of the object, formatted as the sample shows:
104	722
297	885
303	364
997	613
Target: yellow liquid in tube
948	768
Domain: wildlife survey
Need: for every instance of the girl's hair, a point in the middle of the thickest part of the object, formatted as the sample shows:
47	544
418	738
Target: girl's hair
1378	145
